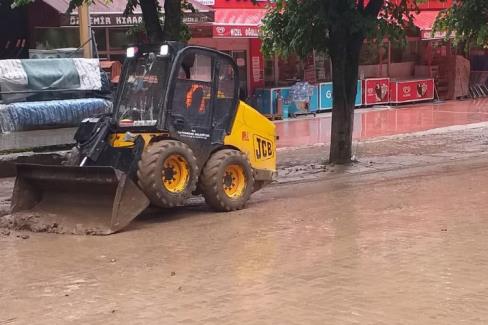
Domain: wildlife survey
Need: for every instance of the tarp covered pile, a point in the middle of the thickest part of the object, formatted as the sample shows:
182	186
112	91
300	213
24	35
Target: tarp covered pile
40	93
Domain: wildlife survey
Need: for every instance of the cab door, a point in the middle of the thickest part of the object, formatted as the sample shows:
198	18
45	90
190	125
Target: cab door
191	98
201	106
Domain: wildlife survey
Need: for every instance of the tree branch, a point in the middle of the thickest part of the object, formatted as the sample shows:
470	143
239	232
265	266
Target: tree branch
361	5
373	8
173	21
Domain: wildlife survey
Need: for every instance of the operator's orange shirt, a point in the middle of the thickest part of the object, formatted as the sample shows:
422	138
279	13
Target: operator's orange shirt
189	98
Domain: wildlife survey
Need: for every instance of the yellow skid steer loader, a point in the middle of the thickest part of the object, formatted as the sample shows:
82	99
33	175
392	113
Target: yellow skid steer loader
177	129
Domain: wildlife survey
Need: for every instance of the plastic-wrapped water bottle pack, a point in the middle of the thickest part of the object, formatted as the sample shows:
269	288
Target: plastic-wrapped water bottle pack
301	92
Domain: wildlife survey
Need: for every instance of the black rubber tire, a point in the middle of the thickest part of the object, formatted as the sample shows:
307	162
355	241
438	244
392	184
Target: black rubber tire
150	169
72	158
211	180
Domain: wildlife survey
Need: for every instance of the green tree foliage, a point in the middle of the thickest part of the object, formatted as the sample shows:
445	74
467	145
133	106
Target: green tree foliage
466	21
339	28
173	28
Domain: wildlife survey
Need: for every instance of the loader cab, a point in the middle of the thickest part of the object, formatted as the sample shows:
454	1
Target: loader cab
189	91
202	96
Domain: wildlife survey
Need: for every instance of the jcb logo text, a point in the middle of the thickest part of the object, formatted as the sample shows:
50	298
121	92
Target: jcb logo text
263	148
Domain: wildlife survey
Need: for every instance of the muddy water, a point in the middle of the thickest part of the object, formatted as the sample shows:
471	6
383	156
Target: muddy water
400	247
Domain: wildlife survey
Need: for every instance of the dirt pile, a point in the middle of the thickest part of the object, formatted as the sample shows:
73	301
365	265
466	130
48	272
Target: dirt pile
45	223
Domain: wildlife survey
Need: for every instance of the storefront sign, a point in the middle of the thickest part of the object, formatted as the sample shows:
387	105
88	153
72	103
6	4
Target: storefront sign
411	91
206	2
376	91
236	31
121	20
427	34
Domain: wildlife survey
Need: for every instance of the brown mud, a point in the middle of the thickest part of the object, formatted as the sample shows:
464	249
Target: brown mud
307	164
404	246
42	223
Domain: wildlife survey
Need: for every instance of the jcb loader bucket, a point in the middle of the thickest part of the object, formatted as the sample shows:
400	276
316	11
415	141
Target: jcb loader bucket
78	200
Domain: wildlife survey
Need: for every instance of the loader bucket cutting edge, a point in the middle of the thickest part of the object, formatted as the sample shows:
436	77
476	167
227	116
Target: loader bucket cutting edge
77	200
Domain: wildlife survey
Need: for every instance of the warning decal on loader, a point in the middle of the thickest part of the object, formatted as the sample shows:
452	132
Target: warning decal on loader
263	148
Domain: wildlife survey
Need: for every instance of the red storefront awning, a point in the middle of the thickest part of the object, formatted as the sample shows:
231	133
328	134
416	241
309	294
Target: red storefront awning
237	22
424	21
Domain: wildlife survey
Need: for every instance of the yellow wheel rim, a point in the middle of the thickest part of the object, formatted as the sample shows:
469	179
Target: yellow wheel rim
234	181
175	174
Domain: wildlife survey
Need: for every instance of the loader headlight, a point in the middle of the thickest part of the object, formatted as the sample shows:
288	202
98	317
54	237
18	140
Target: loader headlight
164	50
129	137
131	52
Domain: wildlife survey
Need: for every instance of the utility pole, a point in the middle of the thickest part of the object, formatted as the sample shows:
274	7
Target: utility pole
85	30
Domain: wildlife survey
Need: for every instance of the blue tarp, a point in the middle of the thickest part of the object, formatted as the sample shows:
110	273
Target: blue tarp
56	113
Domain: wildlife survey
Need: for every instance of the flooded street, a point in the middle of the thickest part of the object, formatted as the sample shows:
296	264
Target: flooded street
398	237
244	162
396	247
379	122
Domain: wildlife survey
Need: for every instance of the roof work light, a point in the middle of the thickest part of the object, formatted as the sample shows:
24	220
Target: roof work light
164	50
131	52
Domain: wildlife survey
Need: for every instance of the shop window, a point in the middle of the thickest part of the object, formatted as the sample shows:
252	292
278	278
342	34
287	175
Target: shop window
100	39
315	68
290	70
269	73
118	38
55	38
370	54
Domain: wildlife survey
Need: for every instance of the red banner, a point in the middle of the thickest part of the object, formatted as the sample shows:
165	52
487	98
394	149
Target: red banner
376	91
411	90
235	31
257	65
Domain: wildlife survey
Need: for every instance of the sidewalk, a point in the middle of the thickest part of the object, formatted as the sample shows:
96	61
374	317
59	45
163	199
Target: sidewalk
378	122
368	123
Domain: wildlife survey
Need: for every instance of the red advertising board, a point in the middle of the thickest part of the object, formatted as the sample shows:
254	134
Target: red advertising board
376	91
411	90
257	64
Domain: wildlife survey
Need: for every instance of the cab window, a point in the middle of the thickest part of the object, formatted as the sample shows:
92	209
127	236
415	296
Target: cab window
193	89
226	99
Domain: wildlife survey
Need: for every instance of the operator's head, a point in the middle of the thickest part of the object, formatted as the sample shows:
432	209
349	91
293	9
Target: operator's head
187	64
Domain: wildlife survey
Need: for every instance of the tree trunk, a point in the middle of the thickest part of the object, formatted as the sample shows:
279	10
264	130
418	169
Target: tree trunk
344	52
172	20
152	23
